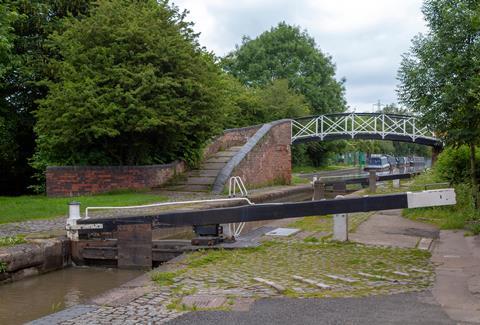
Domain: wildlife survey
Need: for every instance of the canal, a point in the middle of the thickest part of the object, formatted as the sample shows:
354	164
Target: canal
34	297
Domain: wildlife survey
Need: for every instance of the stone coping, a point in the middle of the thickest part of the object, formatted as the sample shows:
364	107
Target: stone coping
227	170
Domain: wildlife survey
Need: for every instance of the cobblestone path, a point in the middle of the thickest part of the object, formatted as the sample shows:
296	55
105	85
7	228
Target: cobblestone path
32	226
344	270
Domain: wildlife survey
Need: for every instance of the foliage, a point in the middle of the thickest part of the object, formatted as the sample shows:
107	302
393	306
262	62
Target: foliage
453	164
245	106
7	17
28	207
286	52
311	169
164	278
3	267
132	86
12	241
439	76
448	217
25	27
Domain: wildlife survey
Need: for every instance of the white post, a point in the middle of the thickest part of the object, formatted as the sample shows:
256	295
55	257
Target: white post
396	183
73	216
227	231
340	225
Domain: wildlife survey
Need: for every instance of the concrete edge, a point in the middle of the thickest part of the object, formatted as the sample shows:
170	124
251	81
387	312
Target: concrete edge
227	170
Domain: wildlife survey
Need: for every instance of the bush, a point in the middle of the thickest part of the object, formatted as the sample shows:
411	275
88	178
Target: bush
456	216
132	86
453	164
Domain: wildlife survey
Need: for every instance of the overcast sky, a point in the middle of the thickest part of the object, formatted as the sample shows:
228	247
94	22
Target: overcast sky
365	38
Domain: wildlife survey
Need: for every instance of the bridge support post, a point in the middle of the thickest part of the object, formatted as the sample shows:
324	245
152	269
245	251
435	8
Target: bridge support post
318	190
340	225
372	181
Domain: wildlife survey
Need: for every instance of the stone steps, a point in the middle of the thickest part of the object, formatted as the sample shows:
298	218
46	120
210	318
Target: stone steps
226	154
215	166
203	173
217	159
202	179
206	180
190	188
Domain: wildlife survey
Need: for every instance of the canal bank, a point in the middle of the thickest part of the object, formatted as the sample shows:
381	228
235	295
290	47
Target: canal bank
198	285
44	267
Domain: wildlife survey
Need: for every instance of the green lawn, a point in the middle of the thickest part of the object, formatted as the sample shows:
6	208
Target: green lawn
312	169
28	207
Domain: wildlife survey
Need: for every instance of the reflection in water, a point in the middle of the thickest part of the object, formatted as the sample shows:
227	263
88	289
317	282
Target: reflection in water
38	296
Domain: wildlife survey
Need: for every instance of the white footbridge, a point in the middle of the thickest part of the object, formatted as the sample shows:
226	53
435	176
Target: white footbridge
373	126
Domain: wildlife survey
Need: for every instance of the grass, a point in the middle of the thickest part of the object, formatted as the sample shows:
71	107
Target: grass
12	240
297	180
449	217
224	272
312	169
459	216
164	278
325	223
3	266
29	207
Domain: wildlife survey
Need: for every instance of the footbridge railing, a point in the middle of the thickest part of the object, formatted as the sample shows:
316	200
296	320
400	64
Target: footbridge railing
375	126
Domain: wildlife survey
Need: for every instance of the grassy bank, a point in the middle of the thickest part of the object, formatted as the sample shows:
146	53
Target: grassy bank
29	207
312	169
460	216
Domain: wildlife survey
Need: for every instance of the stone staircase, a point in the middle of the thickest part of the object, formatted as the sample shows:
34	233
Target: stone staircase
202	179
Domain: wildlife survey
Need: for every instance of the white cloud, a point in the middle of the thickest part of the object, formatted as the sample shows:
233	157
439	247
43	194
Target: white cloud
365	38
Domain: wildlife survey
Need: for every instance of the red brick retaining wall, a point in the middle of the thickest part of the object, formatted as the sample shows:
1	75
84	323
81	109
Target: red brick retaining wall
230	138
269	162
78	180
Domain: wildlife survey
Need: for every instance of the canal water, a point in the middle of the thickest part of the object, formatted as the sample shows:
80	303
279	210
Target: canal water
34	297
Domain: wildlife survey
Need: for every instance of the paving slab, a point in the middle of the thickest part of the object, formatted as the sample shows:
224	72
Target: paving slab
457	268
389	228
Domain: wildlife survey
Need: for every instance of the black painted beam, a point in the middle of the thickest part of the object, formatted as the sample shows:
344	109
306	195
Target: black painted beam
258	212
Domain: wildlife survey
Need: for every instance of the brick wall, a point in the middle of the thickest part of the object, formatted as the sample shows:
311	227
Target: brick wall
230	138
270	160
78	180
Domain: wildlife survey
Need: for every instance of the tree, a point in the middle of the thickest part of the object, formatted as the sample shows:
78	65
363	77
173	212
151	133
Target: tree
133	86
405	148
440	75
286	52
254	105
24	30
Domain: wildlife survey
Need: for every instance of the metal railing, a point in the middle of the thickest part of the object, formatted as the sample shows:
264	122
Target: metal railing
235	229
355	124
87	209
234	183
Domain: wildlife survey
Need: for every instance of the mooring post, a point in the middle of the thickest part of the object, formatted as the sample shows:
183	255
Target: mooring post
340	225
372	181
318	190
73	216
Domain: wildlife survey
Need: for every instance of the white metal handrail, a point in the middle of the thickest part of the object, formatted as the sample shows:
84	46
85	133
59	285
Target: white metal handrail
87	209
351	124
235	182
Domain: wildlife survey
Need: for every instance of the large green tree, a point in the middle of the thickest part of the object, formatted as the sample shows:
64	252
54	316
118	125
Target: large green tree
440	76
132	86
286	52
24	29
